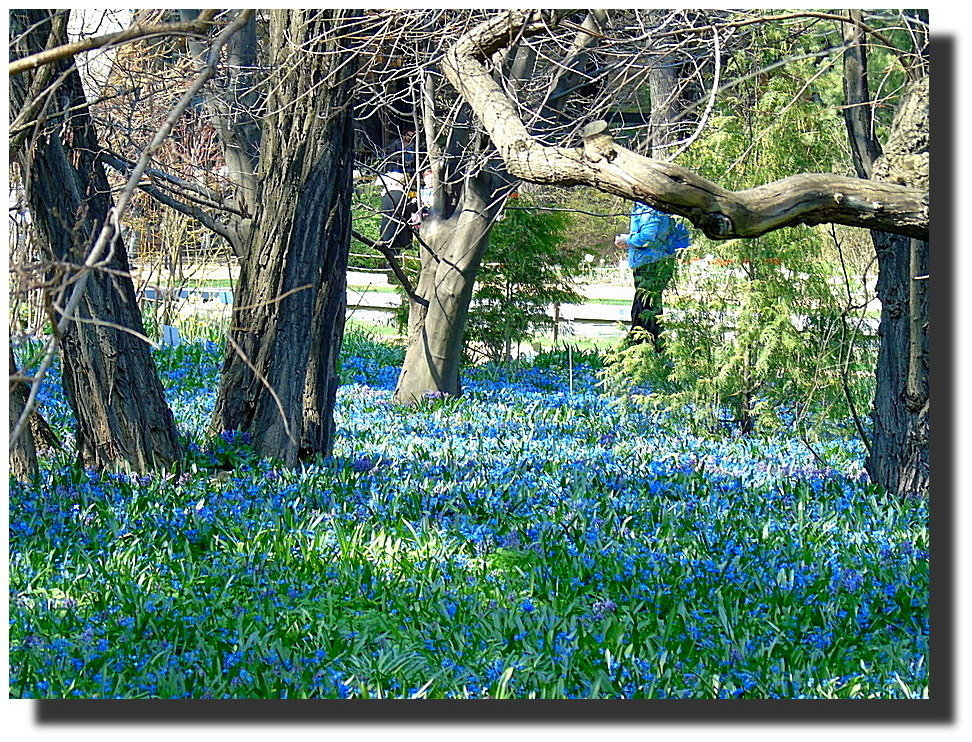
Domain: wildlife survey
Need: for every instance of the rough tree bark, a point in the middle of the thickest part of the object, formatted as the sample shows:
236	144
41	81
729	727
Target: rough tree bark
898	447
107	370
898	459
280	374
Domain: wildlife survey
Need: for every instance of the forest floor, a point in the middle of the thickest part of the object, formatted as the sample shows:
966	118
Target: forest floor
536	538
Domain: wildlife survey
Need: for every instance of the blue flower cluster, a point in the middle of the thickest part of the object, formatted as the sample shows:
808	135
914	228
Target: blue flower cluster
534	538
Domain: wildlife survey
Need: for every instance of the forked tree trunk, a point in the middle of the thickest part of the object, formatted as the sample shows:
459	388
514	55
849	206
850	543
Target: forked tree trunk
450	264
280	374
107	370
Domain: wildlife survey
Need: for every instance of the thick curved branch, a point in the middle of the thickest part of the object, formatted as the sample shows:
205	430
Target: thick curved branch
807	198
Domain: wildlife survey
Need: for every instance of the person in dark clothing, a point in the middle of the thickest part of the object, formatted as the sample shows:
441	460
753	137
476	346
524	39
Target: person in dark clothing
402	153
651	243
396	209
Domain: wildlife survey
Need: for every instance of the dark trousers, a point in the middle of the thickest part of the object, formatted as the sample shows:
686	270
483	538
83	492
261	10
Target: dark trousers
650	282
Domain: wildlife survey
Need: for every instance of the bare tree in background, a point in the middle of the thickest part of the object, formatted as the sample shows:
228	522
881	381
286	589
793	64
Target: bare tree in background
469	190
553	83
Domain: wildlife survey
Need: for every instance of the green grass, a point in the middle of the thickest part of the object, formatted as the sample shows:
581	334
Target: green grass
613	302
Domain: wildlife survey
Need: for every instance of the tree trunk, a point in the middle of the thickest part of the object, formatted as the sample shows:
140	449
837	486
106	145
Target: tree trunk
36	437
895	201
858	111
234	106
898	459
450	263
23	453
663	88
107	370
280	375
898	454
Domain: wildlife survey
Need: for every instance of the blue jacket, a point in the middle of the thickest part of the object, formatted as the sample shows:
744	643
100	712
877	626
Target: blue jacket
653	235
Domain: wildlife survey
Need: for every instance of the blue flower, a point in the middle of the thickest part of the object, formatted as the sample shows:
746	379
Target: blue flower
601	608
819	638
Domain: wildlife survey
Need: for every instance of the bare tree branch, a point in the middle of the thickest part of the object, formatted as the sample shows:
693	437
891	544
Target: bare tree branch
199	26
807	198
225	231
858	112
208	196
394	264
41	89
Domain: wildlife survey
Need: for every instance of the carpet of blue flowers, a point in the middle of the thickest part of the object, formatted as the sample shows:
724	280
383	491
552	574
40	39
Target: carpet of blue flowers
525	540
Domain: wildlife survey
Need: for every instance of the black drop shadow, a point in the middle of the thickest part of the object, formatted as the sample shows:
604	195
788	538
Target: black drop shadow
493	712
941	350
938	708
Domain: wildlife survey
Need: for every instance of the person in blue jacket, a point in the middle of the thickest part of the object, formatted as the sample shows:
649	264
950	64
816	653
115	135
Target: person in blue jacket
652	243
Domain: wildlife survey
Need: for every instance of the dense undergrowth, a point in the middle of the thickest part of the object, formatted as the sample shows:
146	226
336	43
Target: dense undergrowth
522	541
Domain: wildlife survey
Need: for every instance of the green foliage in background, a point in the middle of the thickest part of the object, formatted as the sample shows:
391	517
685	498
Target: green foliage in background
760	332
528	266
